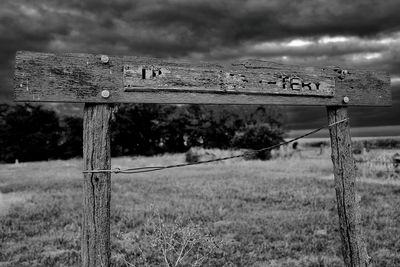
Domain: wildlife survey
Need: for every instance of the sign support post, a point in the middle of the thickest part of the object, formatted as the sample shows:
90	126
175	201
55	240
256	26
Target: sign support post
95	240
353	247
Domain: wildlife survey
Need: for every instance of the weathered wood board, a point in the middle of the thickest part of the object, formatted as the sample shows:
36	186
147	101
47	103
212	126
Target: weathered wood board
41	77
187	79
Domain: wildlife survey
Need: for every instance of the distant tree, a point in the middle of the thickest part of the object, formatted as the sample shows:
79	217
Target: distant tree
235	126
28	133
174	128
213	126
256	137
263	128
135	130
70	143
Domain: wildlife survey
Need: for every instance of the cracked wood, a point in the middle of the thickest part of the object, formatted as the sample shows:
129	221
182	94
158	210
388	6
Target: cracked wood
41	77
95	241
353	247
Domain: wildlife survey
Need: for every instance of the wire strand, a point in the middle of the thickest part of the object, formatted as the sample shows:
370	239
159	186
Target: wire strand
157	168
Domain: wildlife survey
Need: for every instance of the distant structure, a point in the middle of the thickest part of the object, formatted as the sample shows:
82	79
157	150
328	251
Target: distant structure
396	163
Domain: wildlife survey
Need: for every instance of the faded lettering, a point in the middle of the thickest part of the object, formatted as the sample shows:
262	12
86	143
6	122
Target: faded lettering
306	85
295	84
167	79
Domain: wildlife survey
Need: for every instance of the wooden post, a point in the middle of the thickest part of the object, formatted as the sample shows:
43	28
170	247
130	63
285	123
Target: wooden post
95	242
353	248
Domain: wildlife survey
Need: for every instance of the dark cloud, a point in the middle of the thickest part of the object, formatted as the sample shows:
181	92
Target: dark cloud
367	32
237	20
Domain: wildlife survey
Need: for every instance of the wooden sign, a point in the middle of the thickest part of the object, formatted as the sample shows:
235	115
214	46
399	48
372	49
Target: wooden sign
99	80
89	78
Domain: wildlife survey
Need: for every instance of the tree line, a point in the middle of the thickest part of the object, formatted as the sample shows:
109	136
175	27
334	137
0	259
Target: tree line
33	133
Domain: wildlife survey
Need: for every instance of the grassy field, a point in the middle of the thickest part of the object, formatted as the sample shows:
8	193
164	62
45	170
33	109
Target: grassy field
276	213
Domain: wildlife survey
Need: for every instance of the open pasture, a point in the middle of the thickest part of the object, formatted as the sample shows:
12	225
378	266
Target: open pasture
280	212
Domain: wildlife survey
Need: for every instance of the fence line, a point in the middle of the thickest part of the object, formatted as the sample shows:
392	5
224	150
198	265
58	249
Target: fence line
158	168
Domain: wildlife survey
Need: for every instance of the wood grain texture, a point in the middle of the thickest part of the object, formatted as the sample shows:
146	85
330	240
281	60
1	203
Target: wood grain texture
229	80
41	77
95	241
353	248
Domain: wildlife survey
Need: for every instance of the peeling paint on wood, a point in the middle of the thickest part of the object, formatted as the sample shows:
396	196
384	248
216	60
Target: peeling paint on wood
175	79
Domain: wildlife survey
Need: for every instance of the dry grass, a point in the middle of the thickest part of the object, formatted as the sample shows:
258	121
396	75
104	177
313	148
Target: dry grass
275	213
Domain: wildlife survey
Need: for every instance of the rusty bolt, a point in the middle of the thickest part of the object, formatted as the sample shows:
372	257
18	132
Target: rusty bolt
104	59
105	94
346	99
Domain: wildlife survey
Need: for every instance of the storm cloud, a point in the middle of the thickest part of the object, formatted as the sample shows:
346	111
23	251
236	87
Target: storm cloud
362	33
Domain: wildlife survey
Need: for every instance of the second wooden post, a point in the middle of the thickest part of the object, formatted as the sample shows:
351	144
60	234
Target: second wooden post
353	248
95	241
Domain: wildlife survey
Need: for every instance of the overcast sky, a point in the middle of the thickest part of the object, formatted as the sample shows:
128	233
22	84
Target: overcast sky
360	33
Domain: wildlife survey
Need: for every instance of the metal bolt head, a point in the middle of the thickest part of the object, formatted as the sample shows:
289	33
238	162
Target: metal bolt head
104	59
105	94
346	99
